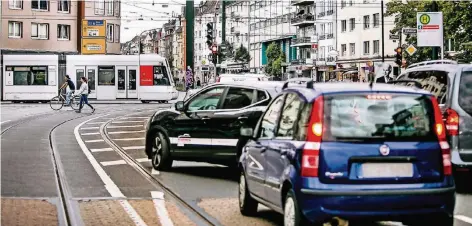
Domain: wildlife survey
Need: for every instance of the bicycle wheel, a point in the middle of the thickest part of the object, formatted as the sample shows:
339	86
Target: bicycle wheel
75	103
56	103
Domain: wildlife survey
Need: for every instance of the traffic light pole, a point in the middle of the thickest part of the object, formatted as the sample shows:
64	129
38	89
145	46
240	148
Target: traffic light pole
189	34
383	29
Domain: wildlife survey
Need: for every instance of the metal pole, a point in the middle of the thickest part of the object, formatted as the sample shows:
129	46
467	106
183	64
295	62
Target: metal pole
434	52
215	36
383	29
190	31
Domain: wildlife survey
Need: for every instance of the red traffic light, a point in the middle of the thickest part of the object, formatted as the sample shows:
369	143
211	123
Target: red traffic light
214	49
398	50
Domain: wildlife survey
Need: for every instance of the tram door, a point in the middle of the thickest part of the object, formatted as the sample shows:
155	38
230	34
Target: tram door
131	79
121	76
92	80
126	82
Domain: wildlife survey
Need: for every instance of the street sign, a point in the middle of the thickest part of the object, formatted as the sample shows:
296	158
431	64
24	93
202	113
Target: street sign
94	28
93	46
430	28
409	31
411	50
394	37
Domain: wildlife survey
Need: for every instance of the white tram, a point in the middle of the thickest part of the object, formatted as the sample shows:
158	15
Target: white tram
144	77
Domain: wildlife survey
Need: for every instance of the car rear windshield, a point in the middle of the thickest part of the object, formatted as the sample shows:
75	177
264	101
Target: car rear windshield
465	92
379	117
434	81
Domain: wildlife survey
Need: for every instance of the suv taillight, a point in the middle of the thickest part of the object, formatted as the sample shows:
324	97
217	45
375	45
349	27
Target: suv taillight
452	122
441	133
311	150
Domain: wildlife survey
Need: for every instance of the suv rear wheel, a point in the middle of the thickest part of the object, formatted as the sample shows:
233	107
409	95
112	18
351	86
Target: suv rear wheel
247	205
160	156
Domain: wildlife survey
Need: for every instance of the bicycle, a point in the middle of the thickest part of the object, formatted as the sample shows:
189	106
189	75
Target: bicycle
57	102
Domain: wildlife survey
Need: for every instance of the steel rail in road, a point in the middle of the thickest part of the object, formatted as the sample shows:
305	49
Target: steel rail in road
158	183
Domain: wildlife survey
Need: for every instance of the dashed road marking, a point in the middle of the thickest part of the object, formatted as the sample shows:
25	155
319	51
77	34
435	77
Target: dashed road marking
101	149
133	148
143	160
160	205
114	127
89	134
463	218
120	122
124	132
154	172
5	121
147	117
89	128
129	139
113	163
94	141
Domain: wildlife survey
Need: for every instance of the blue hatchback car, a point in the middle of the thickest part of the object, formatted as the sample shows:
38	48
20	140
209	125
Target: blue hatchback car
351	151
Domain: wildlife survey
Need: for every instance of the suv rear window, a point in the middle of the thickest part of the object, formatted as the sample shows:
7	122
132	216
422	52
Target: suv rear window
465	92
432	81
357	117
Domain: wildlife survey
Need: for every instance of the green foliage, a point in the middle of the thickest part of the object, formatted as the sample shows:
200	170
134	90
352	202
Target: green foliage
457	17
242	55
227	53
275	58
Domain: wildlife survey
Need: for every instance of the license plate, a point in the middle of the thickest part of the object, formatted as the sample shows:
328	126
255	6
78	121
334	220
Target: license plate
387	170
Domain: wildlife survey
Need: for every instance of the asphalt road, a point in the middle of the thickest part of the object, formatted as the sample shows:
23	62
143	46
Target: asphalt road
104	188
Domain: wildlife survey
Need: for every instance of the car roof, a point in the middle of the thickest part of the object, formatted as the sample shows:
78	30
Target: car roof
252	84
340	87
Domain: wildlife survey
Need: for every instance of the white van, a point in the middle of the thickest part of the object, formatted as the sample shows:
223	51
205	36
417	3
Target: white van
241	77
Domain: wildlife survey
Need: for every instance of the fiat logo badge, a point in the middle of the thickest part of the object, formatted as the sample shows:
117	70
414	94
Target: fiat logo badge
384	150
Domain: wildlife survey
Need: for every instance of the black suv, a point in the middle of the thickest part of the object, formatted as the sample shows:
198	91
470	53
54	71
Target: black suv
451	83
206	126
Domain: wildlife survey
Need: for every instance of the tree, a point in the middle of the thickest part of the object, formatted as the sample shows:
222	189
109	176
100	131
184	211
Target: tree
456	18
242	55
275	57
225	51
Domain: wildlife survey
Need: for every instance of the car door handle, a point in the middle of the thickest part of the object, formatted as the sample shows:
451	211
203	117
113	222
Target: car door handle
185	135
205	118
242	118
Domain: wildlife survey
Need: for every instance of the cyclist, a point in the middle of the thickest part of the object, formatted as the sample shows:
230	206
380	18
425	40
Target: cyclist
84	92
70	89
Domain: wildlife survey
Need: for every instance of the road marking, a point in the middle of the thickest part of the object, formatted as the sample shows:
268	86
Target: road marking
113	127
89	128
5	121
88	134
101	149
94	141
147	117
109	184
143	160
154	172
118	122
112	163
133	148
129	139
124	132
160	205
463	218
94	123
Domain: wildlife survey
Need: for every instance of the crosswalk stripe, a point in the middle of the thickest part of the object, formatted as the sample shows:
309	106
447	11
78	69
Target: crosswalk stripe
143	160
112	163
129	139
114	127
124	132
94	141
133	148
101	149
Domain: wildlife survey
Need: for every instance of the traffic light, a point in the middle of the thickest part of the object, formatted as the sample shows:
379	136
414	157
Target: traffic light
209	36
398	56
214	58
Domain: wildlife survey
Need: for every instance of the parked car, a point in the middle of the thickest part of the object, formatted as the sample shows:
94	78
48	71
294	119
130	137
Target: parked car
351	151
242	77
452	84
205	127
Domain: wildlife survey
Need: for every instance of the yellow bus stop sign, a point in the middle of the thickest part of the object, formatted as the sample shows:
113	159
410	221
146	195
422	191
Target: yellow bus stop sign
425	19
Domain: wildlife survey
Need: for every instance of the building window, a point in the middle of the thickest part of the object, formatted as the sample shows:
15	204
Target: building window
376	20
343	25
40	4
63	32
352	49
117	8
110	32
352	24
110	8
15	4
99	7
117	33
30	76
343	49
366	22
376	47
366	47
343	4
39	31
63	6
15	29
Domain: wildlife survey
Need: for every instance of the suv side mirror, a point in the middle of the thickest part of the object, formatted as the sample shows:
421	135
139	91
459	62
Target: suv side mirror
179	106
246	132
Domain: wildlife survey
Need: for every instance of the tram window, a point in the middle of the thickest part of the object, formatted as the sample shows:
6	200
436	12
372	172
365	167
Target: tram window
106	76
30	76
121	79
132	79
161	77
79	73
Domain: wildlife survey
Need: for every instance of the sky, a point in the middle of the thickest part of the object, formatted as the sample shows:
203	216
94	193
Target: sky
153	15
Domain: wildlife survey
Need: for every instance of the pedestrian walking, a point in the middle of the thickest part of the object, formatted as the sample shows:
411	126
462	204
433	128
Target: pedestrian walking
70	89
199	83
84	91
189	79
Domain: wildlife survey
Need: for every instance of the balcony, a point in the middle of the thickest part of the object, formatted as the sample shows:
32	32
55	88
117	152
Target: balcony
321	14
330	12
303	41
235	31
302	2
330	36
235	15
322	37
303	20
302	61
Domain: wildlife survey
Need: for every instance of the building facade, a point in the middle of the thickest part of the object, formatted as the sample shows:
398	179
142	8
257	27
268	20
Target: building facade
326	29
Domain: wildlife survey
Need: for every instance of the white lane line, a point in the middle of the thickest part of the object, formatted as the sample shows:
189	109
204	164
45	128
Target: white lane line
129	139
143	160
113	163
95	123
133	148
124	132
160	205
5	121
114	127
132	213
101	149
118	122
94	141
88	134
463	218
154	172
131	117
89	128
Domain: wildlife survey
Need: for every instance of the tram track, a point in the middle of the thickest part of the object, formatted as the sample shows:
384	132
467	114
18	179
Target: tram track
158	183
